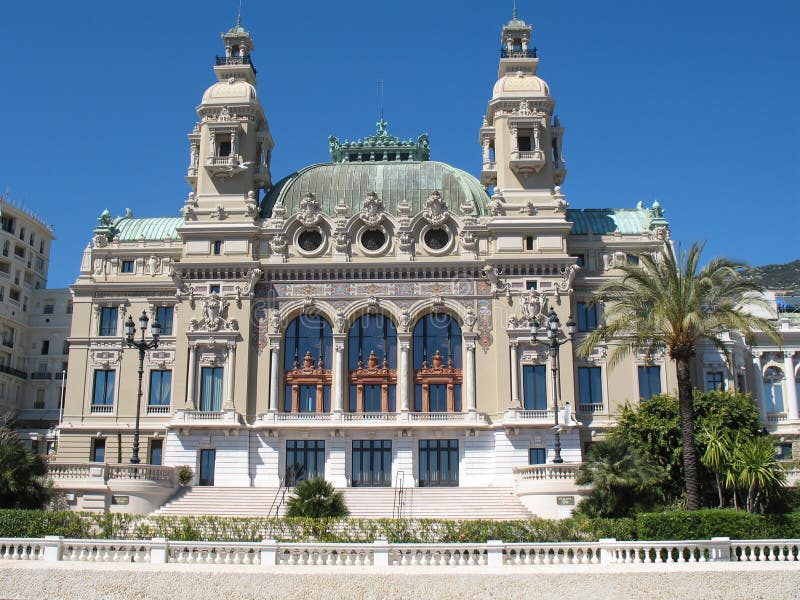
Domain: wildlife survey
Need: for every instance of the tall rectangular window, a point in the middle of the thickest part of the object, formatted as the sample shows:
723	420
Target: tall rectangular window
534	387
108	320
127	266
438	397
164	316
308	398
715	380
156	451
649	381
587	316
103	391
524	143
372	398
160	386
45	347
305	459
537	456
217	247
98	450
590	386
211	389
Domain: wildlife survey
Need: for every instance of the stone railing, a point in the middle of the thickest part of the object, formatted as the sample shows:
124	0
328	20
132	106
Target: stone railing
383	554
545	417
325	418
777	417
202	417
103	472
567	471
369	416
158	409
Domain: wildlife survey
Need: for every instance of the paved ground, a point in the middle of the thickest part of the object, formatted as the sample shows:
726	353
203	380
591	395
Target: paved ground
773	581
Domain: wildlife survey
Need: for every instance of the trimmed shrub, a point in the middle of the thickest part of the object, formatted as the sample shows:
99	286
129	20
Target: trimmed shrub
704	524
39	523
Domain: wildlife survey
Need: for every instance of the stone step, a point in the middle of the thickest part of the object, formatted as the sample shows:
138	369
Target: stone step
447	503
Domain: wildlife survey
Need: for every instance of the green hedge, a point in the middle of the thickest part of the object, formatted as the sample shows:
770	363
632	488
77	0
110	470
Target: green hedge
674	525
704	524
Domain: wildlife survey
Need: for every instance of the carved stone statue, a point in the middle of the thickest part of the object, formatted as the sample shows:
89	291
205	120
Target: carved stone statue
275	321
531	306
405	320
214	309
253	277
493	275
470	318
309	213
339	321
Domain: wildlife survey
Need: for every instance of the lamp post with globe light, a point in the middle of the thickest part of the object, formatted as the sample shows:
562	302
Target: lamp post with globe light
142	345
555	338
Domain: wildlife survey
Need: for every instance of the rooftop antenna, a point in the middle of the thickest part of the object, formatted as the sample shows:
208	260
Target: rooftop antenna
515	8
381	99
239	16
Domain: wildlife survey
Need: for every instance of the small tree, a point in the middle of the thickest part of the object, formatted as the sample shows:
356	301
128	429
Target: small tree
22	474
316	499
624	480
717	455
756	470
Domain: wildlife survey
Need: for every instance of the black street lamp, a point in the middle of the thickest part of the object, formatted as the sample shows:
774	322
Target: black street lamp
553	333
142	345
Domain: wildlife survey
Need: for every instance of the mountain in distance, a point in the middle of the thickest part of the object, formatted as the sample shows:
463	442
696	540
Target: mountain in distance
785	277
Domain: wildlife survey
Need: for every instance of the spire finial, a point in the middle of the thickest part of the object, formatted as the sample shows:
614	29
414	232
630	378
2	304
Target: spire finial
381	100
239	15
515	10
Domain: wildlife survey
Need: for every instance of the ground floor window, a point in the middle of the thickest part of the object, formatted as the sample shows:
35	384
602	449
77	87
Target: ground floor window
372	463
715	380
99	450
438	463
304	459
156	451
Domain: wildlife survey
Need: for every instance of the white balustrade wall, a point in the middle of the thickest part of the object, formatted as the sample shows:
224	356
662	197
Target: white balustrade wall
383	554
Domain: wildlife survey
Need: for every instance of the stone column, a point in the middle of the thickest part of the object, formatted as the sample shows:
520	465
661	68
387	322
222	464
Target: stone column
515	374
761	397
274	375
338	373
230	366
404	344
469	375
191	377
791	386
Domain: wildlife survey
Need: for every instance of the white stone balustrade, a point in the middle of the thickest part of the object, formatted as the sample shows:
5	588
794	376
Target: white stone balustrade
383	554
61	472
561	472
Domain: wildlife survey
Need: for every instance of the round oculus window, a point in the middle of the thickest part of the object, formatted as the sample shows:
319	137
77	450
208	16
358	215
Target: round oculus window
309	240
373	239
437	238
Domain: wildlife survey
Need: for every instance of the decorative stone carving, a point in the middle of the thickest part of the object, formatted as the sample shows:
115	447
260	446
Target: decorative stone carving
310	212
567	278
219	213
529	208
405	241
561	202
339	321
278	244
404	320
531	307
215	309
492	274
437	303
153	265
469	241
404	213
497	205
468	212
275	321
180	284
341	241
253	276
435	211
308	304
470	318
373	303
100	241
372	211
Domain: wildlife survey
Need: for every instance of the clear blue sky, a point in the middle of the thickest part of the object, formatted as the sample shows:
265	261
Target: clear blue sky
692	103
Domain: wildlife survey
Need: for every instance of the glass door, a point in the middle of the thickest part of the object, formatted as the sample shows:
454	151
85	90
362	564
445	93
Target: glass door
372	463
208	457
438	463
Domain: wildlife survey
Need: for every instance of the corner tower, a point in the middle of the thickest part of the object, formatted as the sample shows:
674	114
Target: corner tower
520	136
231	145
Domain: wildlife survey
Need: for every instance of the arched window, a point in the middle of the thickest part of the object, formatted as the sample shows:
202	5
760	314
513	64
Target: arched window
773	390
372	346
437	364
308	345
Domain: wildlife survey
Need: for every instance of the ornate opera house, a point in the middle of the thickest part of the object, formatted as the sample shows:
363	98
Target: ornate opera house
382	317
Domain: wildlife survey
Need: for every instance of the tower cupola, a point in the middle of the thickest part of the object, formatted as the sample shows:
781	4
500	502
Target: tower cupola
236	63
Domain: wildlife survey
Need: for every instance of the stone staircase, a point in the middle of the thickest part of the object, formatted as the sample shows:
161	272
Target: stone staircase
364	503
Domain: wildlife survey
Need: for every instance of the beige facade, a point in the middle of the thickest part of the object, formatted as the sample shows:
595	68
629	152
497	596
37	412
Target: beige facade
368	318
34	325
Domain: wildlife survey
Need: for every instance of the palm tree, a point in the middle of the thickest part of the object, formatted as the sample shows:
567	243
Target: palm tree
667	302
22	474
757	470
623	480
717	455
317	499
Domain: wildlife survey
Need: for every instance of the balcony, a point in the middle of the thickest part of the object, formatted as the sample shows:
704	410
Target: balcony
65	471
158	409
224	166
205	418
234	61
527	161
529	53
489	173
590	409
13	371
777	417
563	472
534	417
102	409
404	419
39	375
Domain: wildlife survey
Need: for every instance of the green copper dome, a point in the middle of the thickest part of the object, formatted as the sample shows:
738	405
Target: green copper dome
393	182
